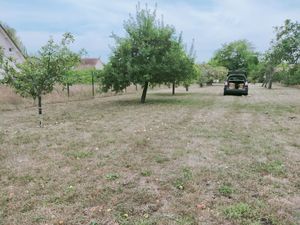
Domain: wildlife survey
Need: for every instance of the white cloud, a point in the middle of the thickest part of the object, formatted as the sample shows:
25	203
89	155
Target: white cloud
92	22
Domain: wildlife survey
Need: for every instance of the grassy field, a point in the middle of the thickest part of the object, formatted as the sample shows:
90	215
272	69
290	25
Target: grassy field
193	158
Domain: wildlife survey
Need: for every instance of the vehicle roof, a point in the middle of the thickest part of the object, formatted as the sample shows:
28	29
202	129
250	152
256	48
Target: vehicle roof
236	74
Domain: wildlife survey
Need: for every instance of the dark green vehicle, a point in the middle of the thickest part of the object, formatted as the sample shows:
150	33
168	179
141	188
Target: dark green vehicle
236	84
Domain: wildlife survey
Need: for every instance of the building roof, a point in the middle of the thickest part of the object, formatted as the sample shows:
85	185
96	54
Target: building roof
13	42
90	63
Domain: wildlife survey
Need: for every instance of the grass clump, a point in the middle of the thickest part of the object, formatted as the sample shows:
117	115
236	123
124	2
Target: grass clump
161	159
79	154
112	176
186	176
146	173
239	211
226	190
275	168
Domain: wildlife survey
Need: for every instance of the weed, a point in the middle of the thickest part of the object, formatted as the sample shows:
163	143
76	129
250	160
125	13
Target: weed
146	173
93	223
187	173
239	211
226	190
161	159
179	183
276	168
79	154
186	220
112	176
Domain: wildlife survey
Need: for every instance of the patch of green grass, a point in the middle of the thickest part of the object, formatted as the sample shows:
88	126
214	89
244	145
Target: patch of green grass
112	176
161	159
226	190
181	182
239	211
144	221
79	154
142	142
187	173
39	219
28	206
93	223
146	173
275	168
186	220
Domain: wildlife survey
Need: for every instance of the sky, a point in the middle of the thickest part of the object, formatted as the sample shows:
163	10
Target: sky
210	23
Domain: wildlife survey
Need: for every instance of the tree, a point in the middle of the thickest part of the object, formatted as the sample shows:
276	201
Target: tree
149	54
38	74
235	56
285	49
211	73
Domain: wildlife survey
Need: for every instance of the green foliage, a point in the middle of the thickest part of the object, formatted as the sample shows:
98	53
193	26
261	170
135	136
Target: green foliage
186	220
83	76
1	56
285	50
209	73
276	168
79	154
186	176
112	176
38	74
286	46
239	211
226	190
236	55
150	53
146	173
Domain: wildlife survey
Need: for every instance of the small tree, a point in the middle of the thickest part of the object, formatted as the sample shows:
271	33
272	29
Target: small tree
285	49
150	53
38	74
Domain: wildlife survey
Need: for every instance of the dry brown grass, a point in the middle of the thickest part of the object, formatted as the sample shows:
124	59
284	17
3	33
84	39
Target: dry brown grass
193	158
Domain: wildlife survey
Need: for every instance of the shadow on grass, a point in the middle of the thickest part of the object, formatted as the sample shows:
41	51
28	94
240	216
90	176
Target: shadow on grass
195	100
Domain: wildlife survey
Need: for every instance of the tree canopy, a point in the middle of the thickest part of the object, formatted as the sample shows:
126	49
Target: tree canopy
284	54
235	56
38	74
149	53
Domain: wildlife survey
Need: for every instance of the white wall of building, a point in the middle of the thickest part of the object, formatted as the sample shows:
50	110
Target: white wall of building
9	48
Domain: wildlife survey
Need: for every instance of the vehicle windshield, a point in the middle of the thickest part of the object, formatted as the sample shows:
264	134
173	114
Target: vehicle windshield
236	77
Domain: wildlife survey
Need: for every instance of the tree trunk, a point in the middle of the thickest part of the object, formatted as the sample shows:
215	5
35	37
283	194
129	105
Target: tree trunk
40	105
136	87
143	99
173	88
270	80
68	90
40	110
187	88
93	85
270	84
